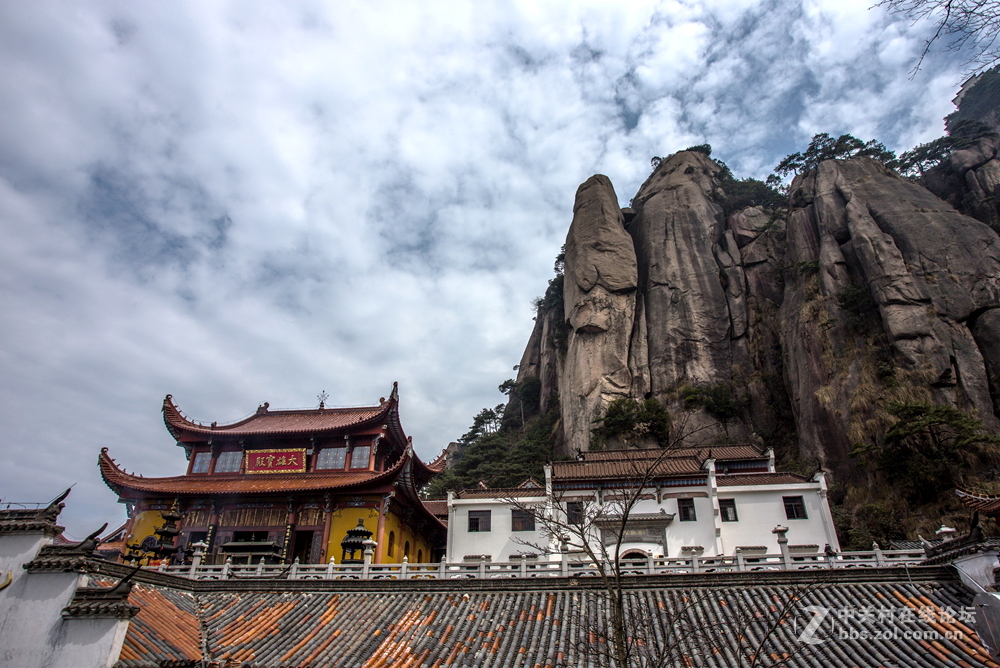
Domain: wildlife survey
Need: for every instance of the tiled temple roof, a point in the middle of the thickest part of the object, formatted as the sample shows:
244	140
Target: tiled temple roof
202	484
717	452
167	627
619	469
988	504
540	627
307	422
635	462
740	479
499	492
437	507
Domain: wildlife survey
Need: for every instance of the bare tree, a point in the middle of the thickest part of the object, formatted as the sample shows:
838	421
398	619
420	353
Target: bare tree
973	24
625	631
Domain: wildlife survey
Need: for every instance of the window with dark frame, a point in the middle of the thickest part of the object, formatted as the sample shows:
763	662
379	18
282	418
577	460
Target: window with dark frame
727	510
795	508
522	520
229	462
479	521
331	458
574	512
359	457
685	508
202	461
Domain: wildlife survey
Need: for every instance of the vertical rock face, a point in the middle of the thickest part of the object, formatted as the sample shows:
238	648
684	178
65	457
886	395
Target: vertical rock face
969	180
931	275
599	297
692	296
870	290
686	308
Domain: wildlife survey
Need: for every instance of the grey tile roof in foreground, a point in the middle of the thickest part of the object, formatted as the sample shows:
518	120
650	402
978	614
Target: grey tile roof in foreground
876	617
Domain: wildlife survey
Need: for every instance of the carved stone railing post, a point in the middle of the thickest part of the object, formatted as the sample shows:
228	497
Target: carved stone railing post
329	568
199	554
403	567
741	565
786	557
366	566
293	571
879	557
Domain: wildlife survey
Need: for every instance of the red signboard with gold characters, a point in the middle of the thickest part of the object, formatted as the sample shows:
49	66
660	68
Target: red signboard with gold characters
276	461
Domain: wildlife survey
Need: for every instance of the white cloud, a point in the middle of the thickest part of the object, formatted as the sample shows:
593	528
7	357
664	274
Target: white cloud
239	202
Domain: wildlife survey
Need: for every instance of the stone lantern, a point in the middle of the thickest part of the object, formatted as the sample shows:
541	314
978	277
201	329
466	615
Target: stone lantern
354	542
165	547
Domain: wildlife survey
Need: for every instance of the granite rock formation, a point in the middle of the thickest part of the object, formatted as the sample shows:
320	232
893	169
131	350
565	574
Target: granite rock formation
599	307
869	289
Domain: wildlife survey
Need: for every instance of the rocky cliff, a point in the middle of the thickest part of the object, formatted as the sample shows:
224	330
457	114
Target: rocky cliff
868	289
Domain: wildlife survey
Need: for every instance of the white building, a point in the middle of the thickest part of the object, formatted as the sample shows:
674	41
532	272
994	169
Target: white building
483	524
694	501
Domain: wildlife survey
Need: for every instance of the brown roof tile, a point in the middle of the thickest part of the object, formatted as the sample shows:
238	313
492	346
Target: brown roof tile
437	507
719	452
988	504
759	479
271	423
202	484
540	627
499	492
633	469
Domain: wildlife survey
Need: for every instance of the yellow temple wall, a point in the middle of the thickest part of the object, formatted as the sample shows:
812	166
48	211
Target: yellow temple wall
418	544
144	524
347	518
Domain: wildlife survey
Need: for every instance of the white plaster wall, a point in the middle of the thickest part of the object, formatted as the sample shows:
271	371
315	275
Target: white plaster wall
15	550
500	542
761	510
687	534
86	643
32	631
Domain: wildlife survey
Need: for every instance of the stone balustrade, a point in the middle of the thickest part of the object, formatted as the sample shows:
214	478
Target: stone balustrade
561	566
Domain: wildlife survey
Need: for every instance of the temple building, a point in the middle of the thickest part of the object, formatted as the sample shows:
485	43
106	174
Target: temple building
287	484
702	501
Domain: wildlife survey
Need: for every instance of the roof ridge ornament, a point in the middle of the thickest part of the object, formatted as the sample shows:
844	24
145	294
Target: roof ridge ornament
261	410
322	396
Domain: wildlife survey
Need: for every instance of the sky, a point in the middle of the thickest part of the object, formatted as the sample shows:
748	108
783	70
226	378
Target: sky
239	202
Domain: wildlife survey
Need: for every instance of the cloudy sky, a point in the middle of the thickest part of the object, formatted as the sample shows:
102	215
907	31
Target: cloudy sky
238	202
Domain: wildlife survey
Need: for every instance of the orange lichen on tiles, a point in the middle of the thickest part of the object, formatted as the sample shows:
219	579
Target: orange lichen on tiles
931	649
166	621
256	626
453	654
320	626
321	648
